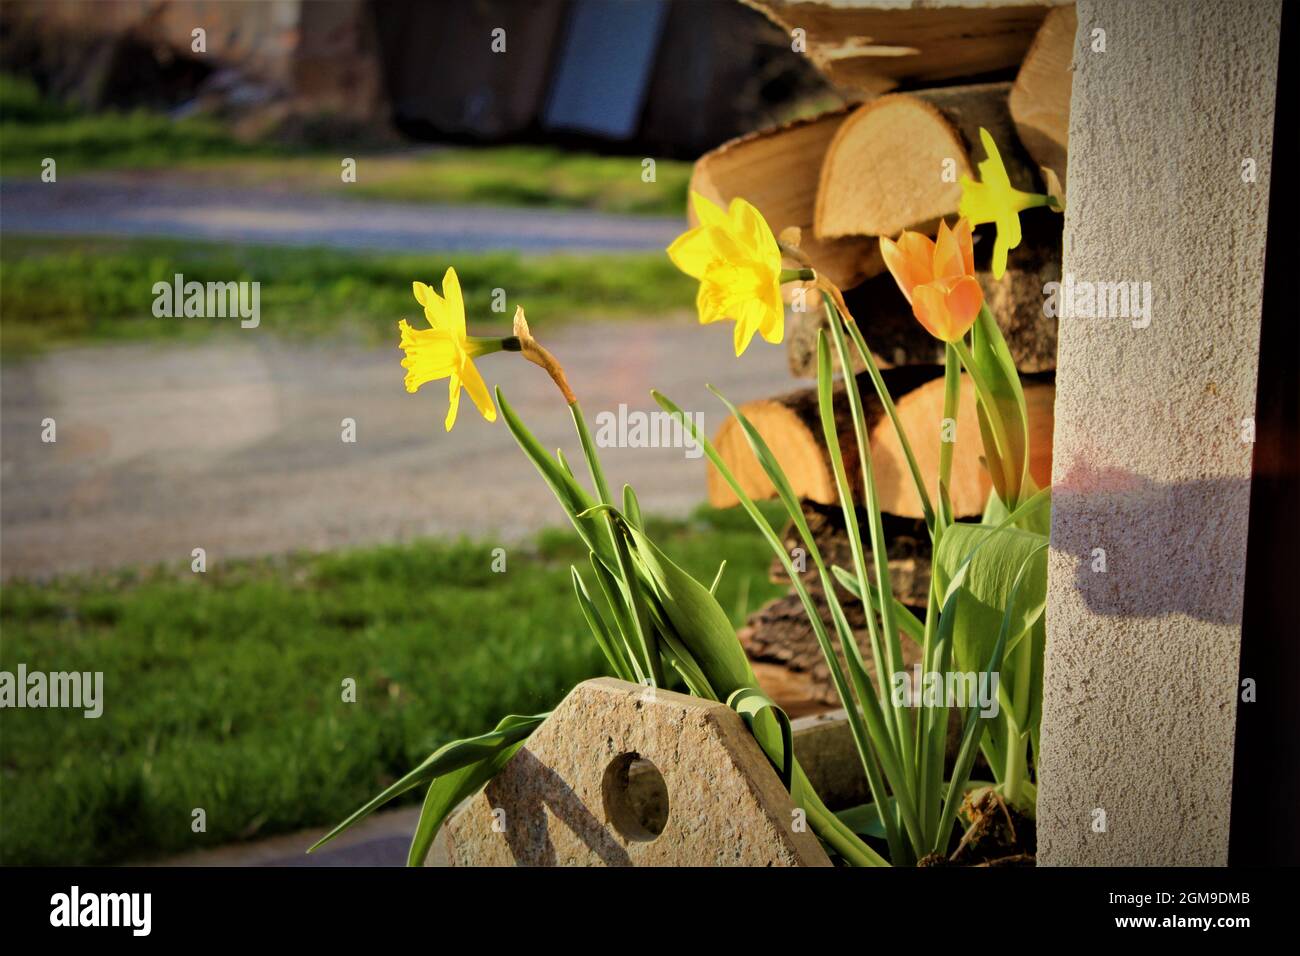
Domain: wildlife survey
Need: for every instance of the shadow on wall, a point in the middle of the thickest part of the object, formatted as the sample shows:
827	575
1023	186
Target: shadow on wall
1136	513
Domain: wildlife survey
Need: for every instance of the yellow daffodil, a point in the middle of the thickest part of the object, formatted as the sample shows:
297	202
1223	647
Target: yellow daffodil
937	277
994	199
444	350
735	257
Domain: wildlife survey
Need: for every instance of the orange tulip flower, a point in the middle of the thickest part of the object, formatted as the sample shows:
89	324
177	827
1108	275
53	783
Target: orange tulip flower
938	278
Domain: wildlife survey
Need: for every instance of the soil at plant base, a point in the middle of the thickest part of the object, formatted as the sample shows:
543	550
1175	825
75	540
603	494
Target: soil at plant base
997	835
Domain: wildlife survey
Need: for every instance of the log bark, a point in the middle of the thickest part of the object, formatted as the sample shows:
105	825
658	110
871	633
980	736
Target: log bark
896	338
896	162
779	637
1040	97
871	47
777	170
791	426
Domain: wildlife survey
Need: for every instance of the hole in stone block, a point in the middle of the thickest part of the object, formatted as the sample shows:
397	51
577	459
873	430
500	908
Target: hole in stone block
635	797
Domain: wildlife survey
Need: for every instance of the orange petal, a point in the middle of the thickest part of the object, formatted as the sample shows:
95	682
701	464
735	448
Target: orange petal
929	308
948	262
910	260
965	242
948	309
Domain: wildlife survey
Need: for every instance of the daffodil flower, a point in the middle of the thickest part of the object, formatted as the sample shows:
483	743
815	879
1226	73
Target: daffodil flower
444	350
938	278
994	199
736	259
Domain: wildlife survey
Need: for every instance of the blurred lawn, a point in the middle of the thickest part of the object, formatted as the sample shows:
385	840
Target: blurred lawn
33	128
223	690
63	291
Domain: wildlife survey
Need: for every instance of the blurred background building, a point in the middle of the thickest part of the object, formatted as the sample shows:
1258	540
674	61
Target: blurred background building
664	77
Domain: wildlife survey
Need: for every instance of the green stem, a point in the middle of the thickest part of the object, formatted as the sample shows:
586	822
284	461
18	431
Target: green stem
882	391
1017	764
879	548
645	636
951	399
991	412
589	451
902	720
486	346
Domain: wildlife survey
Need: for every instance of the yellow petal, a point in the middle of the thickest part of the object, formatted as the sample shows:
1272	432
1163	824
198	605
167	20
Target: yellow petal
422	292
978	204
991	169
696	250
752	229
453	401
707	213
454	314
772	323
744	332
1008	239
478	390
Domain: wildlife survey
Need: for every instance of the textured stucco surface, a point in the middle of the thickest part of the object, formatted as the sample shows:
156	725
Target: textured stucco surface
1150	465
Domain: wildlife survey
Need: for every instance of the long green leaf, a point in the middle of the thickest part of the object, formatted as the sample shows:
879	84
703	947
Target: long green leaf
446	793
995	559
975	723
993	357
770	726
600	630
446	759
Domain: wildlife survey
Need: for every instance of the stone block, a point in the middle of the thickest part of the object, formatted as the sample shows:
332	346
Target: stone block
620	775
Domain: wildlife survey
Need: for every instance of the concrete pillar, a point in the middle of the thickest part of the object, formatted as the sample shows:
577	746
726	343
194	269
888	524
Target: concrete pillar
1171	131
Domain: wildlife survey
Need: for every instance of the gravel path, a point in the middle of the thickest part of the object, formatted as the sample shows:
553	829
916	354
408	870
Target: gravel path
132	205
235	446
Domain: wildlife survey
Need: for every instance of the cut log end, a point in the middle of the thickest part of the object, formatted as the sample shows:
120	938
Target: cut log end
791	428
896	163
884	171
776	170
1040	97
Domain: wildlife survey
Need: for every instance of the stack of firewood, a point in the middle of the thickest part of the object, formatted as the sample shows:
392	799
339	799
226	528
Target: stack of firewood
892	160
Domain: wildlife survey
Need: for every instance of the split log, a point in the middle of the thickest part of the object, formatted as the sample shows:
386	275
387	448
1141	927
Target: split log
1040	97
871	47
791	425
896	338
921	412
777	171
896	162
792	429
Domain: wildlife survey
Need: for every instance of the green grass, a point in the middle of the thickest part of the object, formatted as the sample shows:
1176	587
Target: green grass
33	128
223	690
56	291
